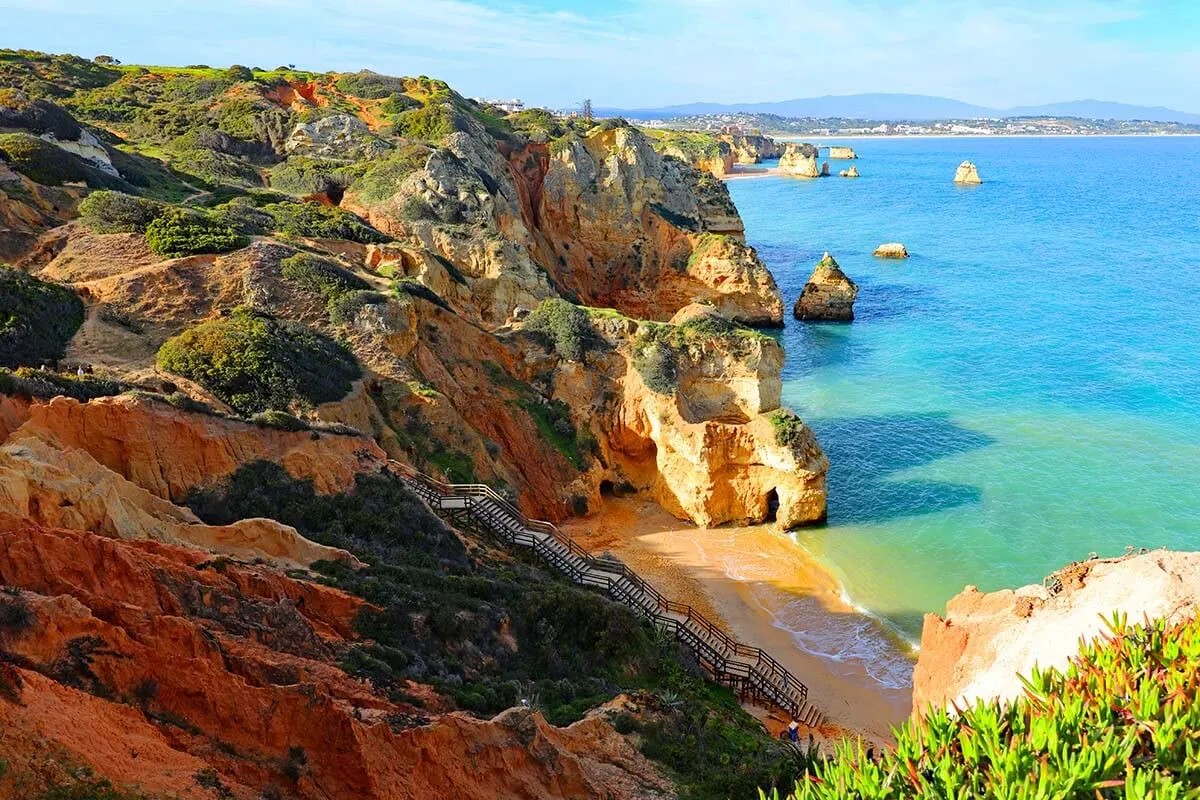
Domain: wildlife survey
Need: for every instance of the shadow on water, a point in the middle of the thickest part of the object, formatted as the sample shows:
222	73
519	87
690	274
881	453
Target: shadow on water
865	451
814	346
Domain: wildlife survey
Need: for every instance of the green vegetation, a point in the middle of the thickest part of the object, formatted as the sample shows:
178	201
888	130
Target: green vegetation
315	221
708	242
37	319
789	428
34	383
343	308
178	232
370	85
429	124
49	165
115	212
661	349
1120	722
254	362
46	75
567	327
445	615
694	145
383	175
320	275
303	176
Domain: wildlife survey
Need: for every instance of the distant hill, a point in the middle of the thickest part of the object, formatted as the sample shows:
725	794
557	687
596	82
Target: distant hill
908	107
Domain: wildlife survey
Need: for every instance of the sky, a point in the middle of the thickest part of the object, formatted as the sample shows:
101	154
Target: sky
647	53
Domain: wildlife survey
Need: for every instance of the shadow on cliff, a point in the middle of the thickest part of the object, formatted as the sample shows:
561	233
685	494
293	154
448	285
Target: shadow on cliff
865	451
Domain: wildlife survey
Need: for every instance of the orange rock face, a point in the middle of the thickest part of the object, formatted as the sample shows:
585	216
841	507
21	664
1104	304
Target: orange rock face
153	665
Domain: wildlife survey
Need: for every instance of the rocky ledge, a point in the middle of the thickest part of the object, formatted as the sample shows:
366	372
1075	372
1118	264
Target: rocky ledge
986	640
828	295
891	250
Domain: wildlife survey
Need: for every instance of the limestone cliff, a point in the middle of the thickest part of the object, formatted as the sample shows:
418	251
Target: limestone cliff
751	148
829	294
799	160
986	640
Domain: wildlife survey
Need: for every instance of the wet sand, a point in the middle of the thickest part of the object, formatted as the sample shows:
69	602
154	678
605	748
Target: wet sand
752	579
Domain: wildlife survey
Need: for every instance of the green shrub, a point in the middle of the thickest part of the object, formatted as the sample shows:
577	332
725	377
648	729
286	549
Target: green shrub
49	165
37	319
306	176
320	275
657	362
789	428
242	216
272	418
212	169
178	232
568	327
114	212
34	383
1120	722
398	103
432	123
383	176
315	221
254	362
369	85
239	74
343	308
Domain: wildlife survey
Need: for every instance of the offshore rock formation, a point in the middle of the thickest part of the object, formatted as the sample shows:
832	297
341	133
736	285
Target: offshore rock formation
841	152
829	294
799	160
751	148
891	250
849	173
985	641
967	173
701	440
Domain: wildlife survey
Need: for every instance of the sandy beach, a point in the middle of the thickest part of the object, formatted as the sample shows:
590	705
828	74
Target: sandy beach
752	579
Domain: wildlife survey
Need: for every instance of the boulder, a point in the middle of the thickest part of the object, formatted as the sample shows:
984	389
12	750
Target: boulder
891	250
849	173
799	160
828	295
967	173
335	136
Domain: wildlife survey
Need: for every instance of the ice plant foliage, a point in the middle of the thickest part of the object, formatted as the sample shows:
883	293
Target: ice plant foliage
1122	721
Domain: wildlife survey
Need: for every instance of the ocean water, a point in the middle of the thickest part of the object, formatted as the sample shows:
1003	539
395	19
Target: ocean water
1023	391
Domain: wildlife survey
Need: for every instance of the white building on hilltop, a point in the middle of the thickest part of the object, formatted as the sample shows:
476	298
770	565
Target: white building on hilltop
505	105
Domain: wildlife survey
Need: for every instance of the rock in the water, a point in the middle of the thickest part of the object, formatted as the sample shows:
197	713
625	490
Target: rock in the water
849	173
799	160
967	173
828	295
891	250
842	153
825	170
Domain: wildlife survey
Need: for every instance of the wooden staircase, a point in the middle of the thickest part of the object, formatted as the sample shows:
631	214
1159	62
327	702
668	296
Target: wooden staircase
750	671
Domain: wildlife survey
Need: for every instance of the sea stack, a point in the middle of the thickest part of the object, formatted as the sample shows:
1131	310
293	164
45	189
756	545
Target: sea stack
967	173
828	295
849	173
842	153
891	250
825	170
799	160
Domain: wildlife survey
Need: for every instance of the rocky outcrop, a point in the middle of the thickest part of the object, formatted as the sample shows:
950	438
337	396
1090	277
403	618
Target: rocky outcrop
27	209
849	173
702	440
751	148
986	641
170	452
891	250
829	294
967	173
799	160
165	673
338	136
841	152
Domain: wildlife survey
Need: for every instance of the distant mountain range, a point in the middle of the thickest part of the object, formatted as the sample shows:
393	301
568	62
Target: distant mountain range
909	107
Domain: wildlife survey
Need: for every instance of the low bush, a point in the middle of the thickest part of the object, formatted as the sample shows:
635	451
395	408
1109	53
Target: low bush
211	169
567	327
49	165
114	212
384	175
37	319
178	232
242	216
432	123
315	221
320	275
344	308
657	362
254	362
272	418
789	428
307	176
398	103
369	85
34	383
1120	721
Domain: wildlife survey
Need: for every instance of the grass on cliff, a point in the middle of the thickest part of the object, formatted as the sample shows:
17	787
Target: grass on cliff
695	145
450	617
565	327
661	350
37	319
1121	721
255	362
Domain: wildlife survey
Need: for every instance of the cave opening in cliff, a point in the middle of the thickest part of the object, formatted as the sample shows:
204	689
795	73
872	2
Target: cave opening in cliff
772	506
335	192
607	489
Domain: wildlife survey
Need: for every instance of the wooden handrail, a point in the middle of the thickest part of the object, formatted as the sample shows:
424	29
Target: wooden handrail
710	642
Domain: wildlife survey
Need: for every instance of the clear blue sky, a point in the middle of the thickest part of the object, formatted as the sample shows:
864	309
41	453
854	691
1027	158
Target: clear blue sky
637	53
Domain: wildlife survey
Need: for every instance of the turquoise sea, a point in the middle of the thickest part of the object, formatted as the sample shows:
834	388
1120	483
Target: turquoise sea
1021	392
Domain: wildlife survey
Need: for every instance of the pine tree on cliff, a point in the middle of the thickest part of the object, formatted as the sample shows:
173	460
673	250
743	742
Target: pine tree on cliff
587	109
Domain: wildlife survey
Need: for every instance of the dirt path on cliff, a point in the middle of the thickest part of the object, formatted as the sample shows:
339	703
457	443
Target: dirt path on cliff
722	572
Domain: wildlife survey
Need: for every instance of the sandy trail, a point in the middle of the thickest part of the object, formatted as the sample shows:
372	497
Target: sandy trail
748	578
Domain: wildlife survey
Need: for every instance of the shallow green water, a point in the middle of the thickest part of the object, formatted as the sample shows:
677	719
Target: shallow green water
1024	390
